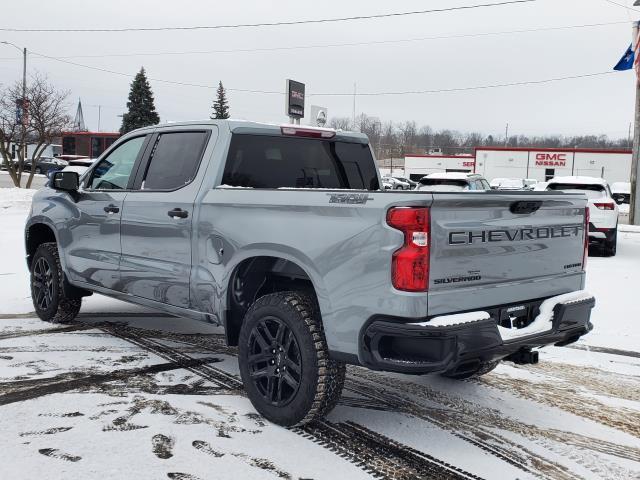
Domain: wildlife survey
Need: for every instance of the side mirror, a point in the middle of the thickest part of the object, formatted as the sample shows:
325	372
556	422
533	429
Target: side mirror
66	181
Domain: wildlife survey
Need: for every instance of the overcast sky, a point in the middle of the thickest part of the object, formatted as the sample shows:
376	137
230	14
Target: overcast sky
582	106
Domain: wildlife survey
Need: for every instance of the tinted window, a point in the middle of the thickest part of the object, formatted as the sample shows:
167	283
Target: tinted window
443	185
96	147
69	146
113	172
174	160
275	162
591	191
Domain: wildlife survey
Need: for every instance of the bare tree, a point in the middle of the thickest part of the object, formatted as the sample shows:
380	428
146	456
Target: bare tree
340	123
44	118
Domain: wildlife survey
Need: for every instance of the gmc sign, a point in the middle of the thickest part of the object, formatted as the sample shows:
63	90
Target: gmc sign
551	159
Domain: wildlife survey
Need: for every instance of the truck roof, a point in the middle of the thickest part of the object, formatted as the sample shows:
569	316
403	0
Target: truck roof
260	128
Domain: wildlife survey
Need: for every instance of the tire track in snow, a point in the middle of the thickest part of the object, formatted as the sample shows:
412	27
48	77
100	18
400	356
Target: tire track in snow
387	459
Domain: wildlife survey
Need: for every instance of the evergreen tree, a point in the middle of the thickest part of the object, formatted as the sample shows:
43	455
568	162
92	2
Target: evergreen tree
141	109
220	105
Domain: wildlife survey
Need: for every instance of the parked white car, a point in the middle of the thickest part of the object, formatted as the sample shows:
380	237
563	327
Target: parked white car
453	182
508	184
397	184
603	210
621	192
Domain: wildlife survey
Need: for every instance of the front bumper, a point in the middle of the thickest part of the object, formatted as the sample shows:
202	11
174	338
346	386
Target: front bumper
393	344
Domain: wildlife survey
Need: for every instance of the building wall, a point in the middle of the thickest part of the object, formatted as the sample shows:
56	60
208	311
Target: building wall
542	164
417	166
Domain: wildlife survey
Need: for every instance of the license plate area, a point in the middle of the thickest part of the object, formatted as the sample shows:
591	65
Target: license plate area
518	316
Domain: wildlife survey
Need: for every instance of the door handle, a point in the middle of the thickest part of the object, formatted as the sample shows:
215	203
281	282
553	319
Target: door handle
111	209
178	213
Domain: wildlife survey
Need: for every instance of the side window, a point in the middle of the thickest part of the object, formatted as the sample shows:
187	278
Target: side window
472	185
174	160
113	172
485	184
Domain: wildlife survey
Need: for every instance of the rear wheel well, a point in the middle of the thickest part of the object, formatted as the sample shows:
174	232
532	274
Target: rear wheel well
255	277
37	234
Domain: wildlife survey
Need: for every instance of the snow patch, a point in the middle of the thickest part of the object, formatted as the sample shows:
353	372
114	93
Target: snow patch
544	321
455	319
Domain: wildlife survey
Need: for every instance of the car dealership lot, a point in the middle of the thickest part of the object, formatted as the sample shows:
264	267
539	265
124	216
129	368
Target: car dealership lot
132	393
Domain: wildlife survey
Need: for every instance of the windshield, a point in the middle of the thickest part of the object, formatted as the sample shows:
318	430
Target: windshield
591	191
443	185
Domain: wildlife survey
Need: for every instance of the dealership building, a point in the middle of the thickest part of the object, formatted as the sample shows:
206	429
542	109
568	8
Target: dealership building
541	164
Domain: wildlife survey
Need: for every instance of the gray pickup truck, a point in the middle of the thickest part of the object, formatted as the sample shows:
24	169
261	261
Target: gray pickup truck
283	235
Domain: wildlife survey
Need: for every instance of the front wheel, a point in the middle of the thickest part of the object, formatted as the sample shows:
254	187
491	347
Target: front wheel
47	291
284	360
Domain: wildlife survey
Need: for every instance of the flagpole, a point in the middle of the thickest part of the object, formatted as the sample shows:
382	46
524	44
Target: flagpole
634	204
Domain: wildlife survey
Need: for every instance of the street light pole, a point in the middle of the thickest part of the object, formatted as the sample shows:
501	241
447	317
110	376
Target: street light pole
24	96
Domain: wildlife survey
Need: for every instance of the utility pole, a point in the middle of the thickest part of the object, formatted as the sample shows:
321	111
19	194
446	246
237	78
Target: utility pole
24	106
634	204
506	135
354	106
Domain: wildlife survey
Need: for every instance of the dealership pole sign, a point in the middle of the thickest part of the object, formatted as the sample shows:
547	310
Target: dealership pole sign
295	100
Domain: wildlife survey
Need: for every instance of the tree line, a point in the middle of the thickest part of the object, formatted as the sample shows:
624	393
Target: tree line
397	139
38	115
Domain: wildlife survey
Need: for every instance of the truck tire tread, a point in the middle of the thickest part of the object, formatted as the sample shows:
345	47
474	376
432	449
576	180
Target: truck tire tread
66	309
324	393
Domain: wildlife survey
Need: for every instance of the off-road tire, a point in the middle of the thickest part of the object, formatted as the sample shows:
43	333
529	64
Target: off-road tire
483	369
321	379
611	244
59	309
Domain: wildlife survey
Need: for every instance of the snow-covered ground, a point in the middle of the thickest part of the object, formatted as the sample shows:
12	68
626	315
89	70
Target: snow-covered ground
125	392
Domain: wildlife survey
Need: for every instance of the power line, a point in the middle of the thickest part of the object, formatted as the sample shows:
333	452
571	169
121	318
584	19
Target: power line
160	80
621	5
343	94
269	24
342	45
464	89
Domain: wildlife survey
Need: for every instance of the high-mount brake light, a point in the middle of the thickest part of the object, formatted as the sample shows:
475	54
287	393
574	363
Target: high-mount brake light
307	132
410	263
604	205
585	253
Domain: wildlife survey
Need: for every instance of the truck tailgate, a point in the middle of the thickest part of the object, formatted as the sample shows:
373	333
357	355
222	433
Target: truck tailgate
482	241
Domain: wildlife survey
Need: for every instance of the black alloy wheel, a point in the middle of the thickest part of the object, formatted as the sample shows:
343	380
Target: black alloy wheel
43	283
274	361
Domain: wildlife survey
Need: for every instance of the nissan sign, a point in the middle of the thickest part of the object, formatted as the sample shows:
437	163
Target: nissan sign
551	159
295	99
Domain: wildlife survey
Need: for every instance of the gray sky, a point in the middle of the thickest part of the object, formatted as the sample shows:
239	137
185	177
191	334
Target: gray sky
582	106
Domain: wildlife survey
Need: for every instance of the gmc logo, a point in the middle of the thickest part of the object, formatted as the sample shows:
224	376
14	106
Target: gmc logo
551	159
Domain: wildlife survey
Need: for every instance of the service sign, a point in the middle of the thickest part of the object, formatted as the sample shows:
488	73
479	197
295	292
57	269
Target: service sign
295	99
550	159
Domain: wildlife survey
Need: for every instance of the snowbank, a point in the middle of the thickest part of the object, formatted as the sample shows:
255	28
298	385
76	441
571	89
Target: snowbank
16	197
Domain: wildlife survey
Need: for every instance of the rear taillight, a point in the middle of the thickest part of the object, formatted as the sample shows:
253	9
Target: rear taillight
604	205
585	253
410	263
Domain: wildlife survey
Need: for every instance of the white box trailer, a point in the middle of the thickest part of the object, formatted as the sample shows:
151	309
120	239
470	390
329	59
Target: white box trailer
545	163
417	166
